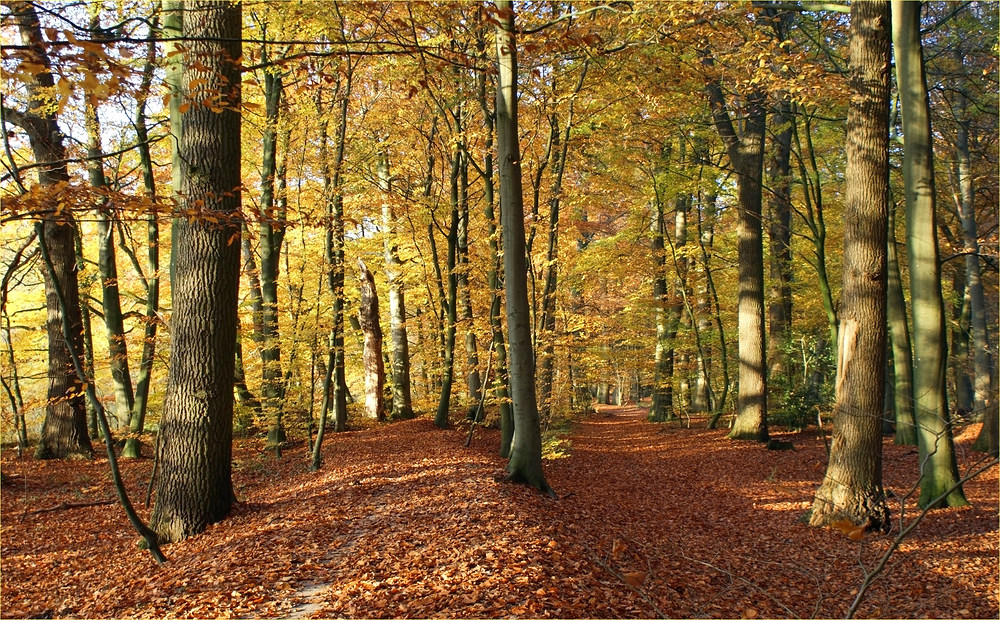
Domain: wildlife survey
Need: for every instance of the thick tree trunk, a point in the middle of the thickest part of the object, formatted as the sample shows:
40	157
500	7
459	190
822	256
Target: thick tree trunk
525	463
64	431
939	470
402	401
852	488
779	309
194	487
368	317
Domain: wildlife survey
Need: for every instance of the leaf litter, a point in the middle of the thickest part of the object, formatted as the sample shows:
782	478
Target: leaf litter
403	521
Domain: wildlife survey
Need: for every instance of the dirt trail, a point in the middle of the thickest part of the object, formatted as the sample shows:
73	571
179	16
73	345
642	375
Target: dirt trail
403	521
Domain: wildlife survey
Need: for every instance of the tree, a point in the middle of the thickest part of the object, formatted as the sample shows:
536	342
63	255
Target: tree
746	155
852	487
64	432
194	488
525	463
939	470
368	317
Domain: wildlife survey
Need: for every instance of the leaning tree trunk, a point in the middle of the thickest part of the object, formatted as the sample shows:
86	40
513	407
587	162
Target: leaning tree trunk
852	488
368	317
939	470
525	463
64	431
194	488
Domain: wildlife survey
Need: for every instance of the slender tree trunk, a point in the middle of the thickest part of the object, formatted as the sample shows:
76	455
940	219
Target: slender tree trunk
852	487
779	307
525	463
451	301
137	420
472	379
194	488
902	353
939	470
107	265
661	403
402	401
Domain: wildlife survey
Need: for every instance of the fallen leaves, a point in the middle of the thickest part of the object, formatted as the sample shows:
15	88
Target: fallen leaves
405	522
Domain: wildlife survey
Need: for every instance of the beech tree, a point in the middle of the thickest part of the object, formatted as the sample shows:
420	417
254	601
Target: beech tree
525	463
938	468
852	486
194	487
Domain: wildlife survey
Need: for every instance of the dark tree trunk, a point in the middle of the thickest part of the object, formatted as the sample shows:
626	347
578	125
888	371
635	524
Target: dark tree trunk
194	488
64	431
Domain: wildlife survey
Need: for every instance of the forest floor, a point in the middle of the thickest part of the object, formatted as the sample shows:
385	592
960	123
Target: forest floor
404	521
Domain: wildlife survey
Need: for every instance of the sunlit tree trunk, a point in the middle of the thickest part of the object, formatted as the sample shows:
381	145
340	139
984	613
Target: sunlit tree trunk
402	401
525	463
779	307
852	488
939	470
368	317
194	487
64	431
151	281
746	155
661	404
451	301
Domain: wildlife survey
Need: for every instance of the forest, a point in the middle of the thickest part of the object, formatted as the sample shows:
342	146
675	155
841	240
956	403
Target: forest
357	308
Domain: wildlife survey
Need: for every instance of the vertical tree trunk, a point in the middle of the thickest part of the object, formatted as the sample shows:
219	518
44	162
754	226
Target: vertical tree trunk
852	487
402	401
902	353
114	323
137	420
525	463
746	154
194	487
472	379
451	301
661	402
368	317
64	431
939	470
779	307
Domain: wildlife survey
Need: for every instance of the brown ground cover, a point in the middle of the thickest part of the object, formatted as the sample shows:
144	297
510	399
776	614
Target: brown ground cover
403	521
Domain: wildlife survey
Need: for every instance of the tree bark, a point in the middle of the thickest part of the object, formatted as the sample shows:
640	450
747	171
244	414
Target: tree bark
852	487
64	431
939	470
368	317
402	401
194	488
902	353
525	463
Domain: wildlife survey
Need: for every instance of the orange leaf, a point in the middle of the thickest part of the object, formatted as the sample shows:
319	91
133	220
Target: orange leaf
635	578
849	529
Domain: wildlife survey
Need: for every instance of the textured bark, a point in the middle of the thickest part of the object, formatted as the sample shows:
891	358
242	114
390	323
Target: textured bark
402	401
746	154
939	470
450	302
64	431
661	402
194	488
473	381
852	487
779	206
525	463
368	317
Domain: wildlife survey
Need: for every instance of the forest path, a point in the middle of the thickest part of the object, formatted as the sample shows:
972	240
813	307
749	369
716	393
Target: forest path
404	521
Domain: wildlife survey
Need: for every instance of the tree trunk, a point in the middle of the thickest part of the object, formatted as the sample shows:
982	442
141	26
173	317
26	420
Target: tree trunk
746	154
137	420
64	431
525	463
368	317
852	488
779	208
194	487
451	301
402	401
472	379
939	470
114	323
902	354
